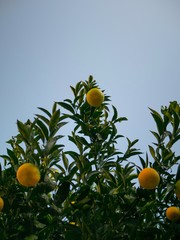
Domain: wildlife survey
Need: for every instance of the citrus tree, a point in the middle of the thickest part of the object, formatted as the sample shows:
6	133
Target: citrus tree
84	185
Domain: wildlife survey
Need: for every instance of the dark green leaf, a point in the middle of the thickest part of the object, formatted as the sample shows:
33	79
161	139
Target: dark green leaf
54	120
177	138
73	90
178	173
54	108
67	106
55	148
143	163
12	156
45	111
175	122
156	136
31	237
159	121
152	151
43	128
169	156
109	176
84	191
23	129
62	193
73	233
65	160
92	175
83	141
115	114
44	119
120	119
72	171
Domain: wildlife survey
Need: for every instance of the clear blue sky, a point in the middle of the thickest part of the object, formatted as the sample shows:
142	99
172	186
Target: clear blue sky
132	48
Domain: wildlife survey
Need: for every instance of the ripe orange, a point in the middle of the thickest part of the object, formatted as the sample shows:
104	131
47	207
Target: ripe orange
28	175
149	178
95	97
173	214
1	203
177	189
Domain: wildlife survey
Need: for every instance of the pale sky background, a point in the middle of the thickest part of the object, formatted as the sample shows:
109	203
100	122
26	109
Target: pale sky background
132	48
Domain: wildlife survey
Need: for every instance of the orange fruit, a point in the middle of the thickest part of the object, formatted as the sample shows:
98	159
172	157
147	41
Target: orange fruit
95	97
177	189
149	178
1	203
173	214
28	175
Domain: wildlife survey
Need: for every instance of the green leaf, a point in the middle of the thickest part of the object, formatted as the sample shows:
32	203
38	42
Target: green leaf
44	119
108	164
31	237
65	160
54	108
73	154
39	225
143	163
147	206
83	192
152	151
120	119
176	121
130	144
45	111
23	129
168	157
50	146
159	121
167	118
73	90
178	173
12	156
62	193
156	135
78	87
43	128
83	141
73	171
105	132
55	148
109	176
114	118
177	138
115	191
73	232
91	176
54	120
131	177
67	107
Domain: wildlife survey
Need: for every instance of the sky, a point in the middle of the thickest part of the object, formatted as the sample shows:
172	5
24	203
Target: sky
131	47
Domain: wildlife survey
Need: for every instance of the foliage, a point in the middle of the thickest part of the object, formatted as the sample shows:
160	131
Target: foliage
89	191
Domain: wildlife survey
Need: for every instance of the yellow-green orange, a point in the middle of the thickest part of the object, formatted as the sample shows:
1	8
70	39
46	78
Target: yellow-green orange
1	203
149	178
28	175
173	214
177	189
95	97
